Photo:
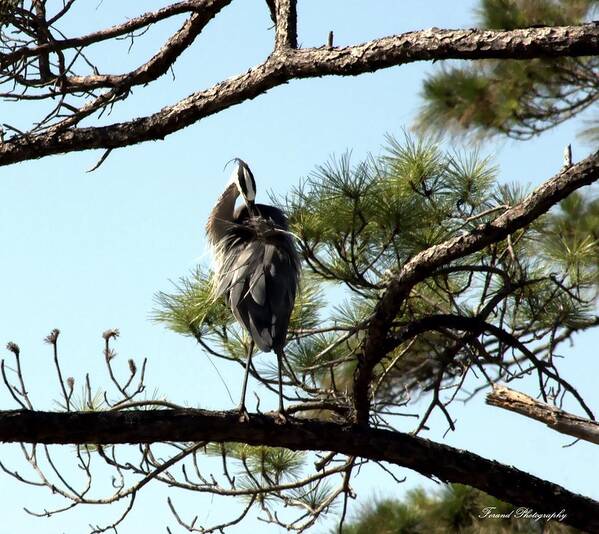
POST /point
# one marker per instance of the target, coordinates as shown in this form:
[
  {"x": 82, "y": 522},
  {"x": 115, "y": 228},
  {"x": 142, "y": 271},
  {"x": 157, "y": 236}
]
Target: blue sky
[{"x": 86, "y": 252}]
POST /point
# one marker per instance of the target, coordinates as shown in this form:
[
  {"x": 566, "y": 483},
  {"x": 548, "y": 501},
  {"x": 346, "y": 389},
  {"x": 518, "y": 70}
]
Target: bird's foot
[
  {"x": 244, "y": 416},
  {"x": 281, "y": 418}
]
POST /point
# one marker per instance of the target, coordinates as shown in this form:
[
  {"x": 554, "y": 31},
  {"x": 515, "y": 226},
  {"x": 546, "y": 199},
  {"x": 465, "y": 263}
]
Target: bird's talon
[
  {"x": 244, "y": 416},
  {"x": 281, "y": 418}
]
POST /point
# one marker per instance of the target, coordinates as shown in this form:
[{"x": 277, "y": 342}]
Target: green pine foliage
[
  {"x": 355, "y": 222},
  {"x": 84, "y": 401},
  {"x": 271, "y": 465},
  {"x": 454, "y": 509},
  {"x": 258, "y": 468},
  {"x": 191, "y": 309},
  {"x": 510, "y": 14},
  {"x": 572, "y": 237},
  {"x": 314, "y": 495},
  {"x": 515, "y": 98},
  {"x": 308, "y": 303}
]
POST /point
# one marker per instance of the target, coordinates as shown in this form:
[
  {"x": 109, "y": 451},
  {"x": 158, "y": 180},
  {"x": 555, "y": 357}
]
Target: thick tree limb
[
  {"x": 553, "y": 417},
  {"x": 286, "y": 64},
  {"x": 425, "y": 264},
  {"x": 424, "y": 456}
]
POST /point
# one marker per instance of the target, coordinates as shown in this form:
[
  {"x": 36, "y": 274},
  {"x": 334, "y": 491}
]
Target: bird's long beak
[{"x": 246, "y": 184}]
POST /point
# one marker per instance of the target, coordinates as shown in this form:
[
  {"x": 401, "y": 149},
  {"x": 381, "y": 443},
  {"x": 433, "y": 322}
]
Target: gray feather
[
  {"x": 259, "y": 273},
  {"x": 258, "y": 286}
]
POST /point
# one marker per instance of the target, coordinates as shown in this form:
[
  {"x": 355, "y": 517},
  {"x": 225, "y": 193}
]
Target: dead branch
[{"x": 553, "y": 417}]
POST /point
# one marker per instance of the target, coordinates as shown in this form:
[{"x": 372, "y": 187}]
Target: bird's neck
[{"x": 222, "y": 213}]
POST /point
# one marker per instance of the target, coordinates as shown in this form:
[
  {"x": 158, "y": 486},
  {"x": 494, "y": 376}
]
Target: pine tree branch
[
  {"x": 425, "y": 264},
  {"x": 553, "y": 417},
  {"x": 287, "y": 63},
  {"x": 424, "y": 456}
]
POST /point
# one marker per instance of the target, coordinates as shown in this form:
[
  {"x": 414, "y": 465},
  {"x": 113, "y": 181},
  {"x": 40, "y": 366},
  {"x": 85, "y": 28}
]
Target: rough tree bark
[{"x": 426, "y": 457}]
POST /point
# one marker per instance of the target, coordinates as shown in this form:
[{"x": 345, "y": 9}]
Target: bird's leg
[
  {"x": 292, "y": 375},
  {"x": 243, "y": 413},
  {"x": 281, "y": 415}
]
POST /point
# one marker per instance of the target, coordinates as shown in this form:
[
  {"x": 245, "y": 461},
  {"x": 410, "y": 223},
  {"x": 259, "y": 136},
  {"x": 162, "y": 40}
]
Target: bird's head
[{"x": 243, "y": 178}]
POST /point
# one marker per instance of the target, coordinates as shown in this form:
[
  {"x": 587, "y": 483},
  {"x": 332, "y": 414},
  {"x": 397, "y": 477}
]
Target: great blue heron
[{"x": 256, "y": 268}]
